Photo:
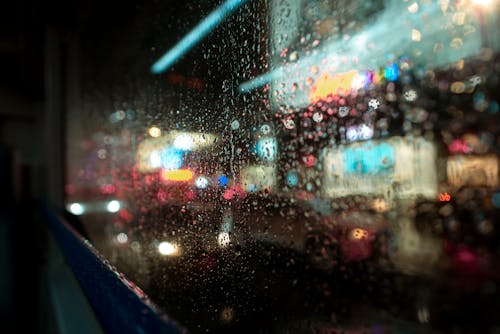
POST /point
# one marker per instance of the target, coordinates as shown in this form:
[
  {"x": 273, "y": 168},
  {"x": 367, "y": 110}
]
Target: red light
[
  {"x": 108, "y": 189},
  {"x": 309, "y": 160},
  {"x": 444, "y": 197},
  {"x": 459, "y": 146}
]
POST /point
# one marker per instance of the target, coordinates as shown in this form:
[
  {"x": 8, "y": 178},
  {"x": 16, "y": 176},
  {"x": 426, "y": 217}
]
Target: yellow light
[
  {"x": 380, "y": 205},
  {"x": 154, "y": 132},
  {"x": 331, "y": 85},
  {"x": 167, "y": 248},
  {"x": 177, "y": 175},
  {"x": 416, "y": 35},
  {"x": 359, "y": 233},
  {"x": 482, "y": 2},
  {"x": 413, "y": 8}
]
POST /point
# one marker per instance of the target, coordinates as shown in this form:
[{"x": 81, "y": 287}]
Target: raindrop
[{"x": 235, "y": 125}]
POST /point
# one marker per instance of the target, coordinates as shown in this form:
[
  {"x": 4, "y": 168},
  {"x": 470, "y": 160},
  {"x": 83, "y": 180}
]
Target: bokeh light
[
  {"x": 168, "y": 248},
  {"x": 77, "y": 209},
  {"x": 154, "y": 132},
  {"x": 223, "y": 239},
  {"x": 113, "y": 206}
]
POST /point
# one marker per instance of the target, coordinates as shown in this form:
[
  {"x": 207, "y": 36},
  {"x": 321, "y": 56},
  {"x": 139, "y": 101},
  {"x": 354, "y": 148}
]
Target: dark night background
[{"x": 48, "y": 51}]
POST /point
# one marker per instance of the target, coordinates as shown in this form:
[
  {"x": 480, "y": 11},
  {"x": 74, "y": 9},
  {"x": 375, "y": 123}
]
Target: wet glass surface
[{"x": 302, "y": 166}]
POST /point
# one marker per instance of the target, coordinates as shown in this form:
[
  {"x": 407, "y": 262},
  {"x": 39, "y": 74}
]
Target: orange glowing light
[
  {"x": 180, "y": 175},
  {"x": 359, "y": 233},
  {"x": 327, "y": 85},
  {"x": 444, "y": 197}
]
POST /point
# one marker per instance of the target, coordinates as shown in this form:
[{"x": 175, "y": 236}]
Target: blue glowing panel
[
  {"x": 195, "y": 35},
  {"x": 223, "y": 180},
  {"x": 369, "y": 159},
  {"x": 172, "y": 158},
  {"x": 267, "y": 148},
  {"x": 292, "y": 178},
  {"x": 391, "y": 72}
]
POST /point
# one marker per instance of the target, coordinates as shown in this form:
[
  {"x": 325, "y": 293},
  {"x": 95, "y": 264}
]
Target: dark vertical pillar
[{"x": 54, "y": 117}]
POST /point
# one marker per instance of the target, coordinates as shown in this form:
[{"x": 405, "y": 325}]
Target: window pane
[{"x": 293, "y": 165}]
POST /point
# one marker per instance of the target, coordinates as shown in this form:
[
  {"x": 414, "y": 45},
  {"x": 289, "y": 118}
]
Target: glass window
[{"x": 294, "y": 165}]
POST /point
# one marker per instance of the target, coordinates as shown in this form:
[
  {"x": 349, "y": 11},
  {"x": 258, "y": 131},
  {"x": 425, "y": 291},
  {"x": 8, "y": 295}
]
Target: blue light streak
[
  {"x": 387, "y": 35},
  {"x": 195, "y": 35}
]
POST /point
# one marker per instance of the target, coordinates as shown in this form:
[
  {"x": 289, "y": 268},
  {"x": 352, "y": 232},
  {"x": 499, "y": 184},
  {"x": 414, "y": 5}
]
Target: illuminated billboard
[
  {"x": 380, "y": 33},
  {"x": 167, "y": 152},
  {"x": 473, "y": 171},
  {"x": 401, "y": 167},
  {"x": 258, "y": 178}
]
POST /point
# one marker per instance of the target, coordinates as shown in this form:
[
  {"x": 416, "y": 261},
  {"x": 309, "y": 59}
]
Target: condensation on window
[{"x": 294, "y": 165}]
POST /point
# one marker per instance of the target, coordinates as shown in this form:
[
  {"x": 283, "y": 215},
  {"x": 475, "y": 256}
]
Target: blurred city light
[
  {"x": 201, "y": 182},
  {"x": 413, "y": 8},
  {"x": 154, "y": 132},
  {"x": 184, "y": 142},
  {"x": 375, "y": 167},
  {"x": 155, "y": 159},
  {"x": 267, "y": 148},
  {"x": 391, "y": 72},
  {"x": 227, "y": 314},
  {"x": 171, "y": 158},
  {"x": 369, "y": 158},
  {"x": 472, "y": 170},
  {"x": 359, "y": 233},
  {"x": 482, "y": 2},
  {"x": 361, "y": 132},
  {"x": 122, "y": 238},
  {"x": 168, "y": 249},
  {"x": 292, "y": 179},
  {"x": 117, "y": 116},
  {"x": 328, "y": 84},
  {"x": 170, "y": 148},
  {"x": 343, "y": 56},
  {"x": 223, "y": 180},
  {"x": 258, "y": 178},
  {"x": 223, "y": 239},
  {"x": 444, "y": 197},
  {"x": 380, "y": 205},
  {"x": 113, "y": 206},
  {"x": 178, "y": 175},
  {"x": 195, "y": 35},
  {"x": 76, "y": 209}
]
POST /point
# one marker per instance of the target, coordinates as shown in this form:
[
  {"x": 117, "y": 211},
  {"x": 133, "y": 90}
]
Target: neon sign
[
  {"x": 178, "y": 175},
  {"x": 444, "y": 197}
]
